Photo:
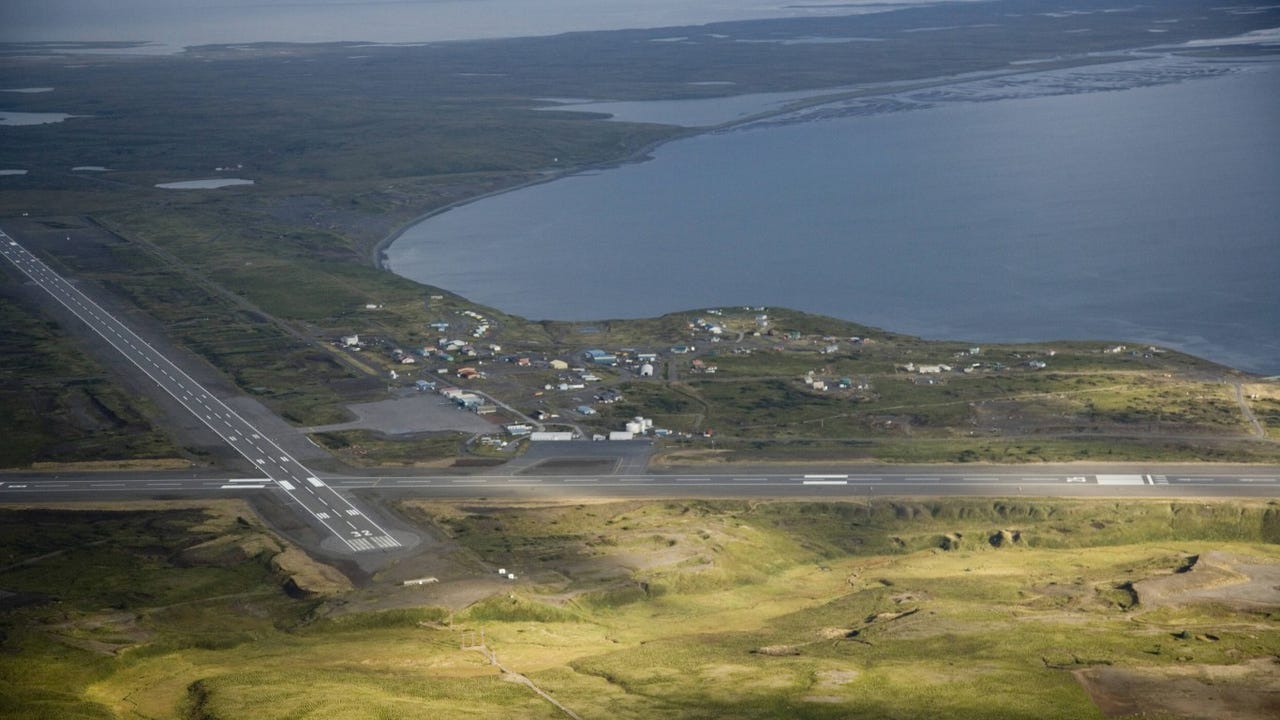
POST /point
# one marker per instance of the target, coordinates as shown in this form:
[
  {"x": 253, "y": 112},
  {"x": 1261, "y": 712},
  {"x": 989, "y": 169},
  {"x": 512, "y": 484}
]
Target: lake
[{"x": 1143, "y": 208}]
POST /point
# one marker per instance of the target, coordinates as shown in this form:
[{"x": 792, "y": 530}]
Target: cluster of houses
[
  {"x": 482, "y": 324},
  {"x": 926, "y": 369},
  {"x": 818, "y": 384},
  {"x": 451, "y": 349},
  {"x": 445, "y": 350},
  {"x": 1034, "y": 364},
  {"x": 714, "y": 329},
  {"x": 1150, "y": 352}
]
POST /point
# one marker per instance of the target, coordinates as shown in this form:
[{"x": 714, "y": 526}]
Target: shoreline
[
  {"x": 377, "y": 254},
  {"x": 821, "y": 96},
  {"x": 818, "y": 98}
]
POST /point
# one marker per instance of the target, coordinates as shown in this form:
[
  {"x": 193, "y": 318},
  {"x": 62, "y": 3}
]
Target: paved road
[{"x": 321, "y": 503}]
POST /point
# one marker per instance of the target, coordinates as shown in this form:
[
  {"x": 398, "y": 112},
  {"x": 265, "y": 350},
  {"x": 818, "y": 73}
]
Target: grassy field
[
  {"x": 687, "y": 609},
  {"x": 59, "y": 404},
  {"x": 361, "y": 447}
]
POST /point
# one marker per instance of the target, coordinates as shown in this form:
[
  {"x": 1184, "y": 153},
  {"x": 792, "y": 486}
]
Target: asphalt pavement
[{"x": 322, "y": 504}]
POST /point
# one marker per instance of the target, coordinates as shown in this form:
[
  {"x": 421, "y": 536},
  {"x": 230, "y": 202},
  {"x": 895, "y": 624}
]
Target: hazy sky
[{"x": 178, "y": 23}]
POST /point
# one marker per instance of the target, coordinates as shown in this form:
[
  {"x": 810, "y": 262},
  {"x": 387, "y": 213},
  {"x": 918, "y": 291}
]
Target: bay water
[{"x": 1132, "y": 211}]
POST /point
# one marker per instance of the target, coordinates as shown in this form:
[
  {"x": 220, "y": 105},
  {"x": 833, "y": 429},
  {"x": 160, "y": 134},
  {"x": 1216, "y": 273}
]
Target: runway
[
  {"x": 319, "y": 502},
  {"x": 907, "y": 482}
]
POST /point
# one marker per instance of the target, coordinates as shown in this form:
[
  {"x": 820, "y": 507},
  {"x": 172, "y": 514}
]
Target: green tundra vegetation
[{"x": 686, "y": 609}]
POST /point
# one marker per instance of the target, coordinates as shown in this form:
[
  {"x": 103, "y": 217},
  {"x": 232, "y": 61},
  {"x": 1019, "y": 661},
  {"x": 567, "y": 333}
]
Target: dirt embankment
[
  {"x": 1244, "y": 691},
  {"x": 1235, "y": 581},
  {"x": 1248, "y": 691}
]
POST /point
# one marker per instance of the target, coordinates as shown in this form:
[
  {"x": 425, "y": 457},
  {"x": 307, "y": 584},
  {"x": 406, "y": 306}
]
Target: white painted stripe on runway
[
  {"x": 242, "y": 487},
  {"x": 1120, "y": 480},
  {"x": 315, "y": 482},
  {"x": 106, "y": 484},
  {"x": 826, "y": 477},
  {"x": 527, "y": 480},
  {"x": 580, "y": 480},
  {"x": 922, "y": 479},
  {"x": 697, "y": 480},
  {"x": 826, "y": 482},
  {"x": 286, "y": 485},
  {"x": 636, "y": 481},
  {"x": 1260, "y": 480},
  {"x": 469, "y": 481}
]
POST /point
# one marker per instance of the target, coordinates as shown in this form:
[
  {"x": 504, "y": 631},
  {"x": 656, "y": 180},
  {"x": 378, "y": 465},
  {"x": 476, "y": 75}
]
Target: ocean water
[
  {"x": 170, "y": 25},
  {"x": 1142, "y": 206}
]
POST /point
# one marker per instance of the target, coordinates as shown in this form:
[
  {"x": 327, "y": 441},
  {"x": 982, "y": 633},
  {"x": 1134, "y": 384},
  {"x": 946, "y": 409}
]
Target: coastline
[
  {"x": 377, "y": 253},
  {"x": 827, "y": 96},
  {"x": 821, "y": 96}
]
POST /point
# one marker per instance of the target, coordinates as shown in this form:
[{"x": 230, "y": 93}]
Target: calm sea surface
[{"x": 1146, "y": 214}]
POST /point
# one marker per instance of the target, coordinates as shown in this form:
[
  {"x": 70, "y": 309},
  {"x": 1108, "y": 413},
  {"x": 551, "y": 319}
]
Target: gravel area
[{"x": 411, "y": 412}]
